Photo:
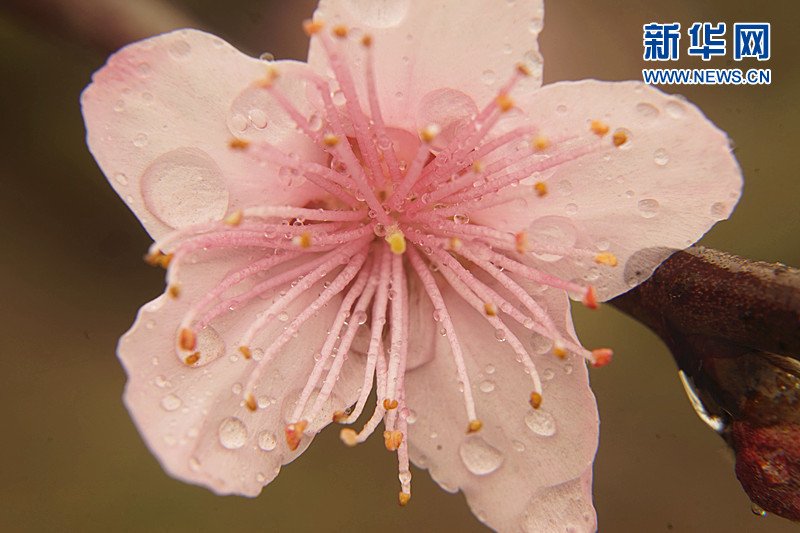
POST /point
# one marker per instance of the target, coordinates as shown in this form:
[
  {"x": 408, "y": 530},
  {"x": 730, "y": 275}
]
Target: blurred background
[{"x": 73, "y": 278}]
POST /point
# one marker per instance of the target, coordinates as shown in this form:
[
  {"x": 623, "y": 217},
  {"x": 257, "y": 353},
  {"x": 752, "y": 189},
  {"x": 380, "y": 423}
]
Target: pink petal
[
  {"x": 662, "y": 189},
  {"x": 519, "y": 463},
  {"x": 194, "y": 419},
  {"x": 160, "y": 116},
  {"x": 427, "y": 47}
]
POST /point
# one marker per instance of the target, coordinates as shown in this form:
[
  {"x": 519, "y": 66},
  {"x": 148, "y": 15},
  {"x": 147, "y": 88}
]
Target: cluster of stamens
[{"x": 384, "y": 220}]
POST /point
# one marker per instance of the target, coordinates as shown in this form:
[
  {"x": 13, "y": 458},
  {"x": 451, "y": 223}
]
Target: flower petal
[
  {"x": 428, "y": 47},
  {"x": 160, "y": 117},
  {"x": 194, "y": 418},
  {"x": 523, "y": 461},
  {"x": 670, "y": 179}
]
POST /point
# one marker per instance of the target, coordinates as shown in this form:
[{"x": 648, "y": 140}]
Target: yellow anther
[
  {"x": 303, "y": 240},
  {"x": 477, "y": 166},
  {"x": 250, "y": 402},
  {"x": 396, "y": 240},
  {"x": 455, "y": 243},
  {"x": 536, "y": 400},
  {"x": 599, "y": 127},
  {"x": 269, "y": 78},
  {"x": 238, "y": 144},
  {"x": 590, "y": 298},
  {"x": 392, "y": 439},
  {"x": 330, "y": 140},
  {"x": 340, "y": 31},
  {"x": 403, "y": 498},
  {"x": 245, "y": 351},
  {"x": 174, "y": 291},
  {"x": 541, "y": 188},
  {"x": 524, "y": 70},
  {"x": 158, "y": 258},
  {"x": 504, "y": 102},
  {"x": 367, "y": 40},
  {"x": 474, "y": 426},
  {"x": 187, "y": 339},
  {"x": 339, "y": 417},
  {"x": 311, "y": 27},
  {"x": 389, "y": 404},
  {"x": 192, "y": 359},
  {"x": 348, "y": 436},
  {"x": 235, "y": 218},
  {"x": 429, "y": 133},
  {"x": 619, "y": 138},
  {"x": 602, "y": 356},
  {"x": 521, "y": 241},
  {"x": 490, "y": 309},
  {"x": 559, "y": 352},
  {"x": 540, "y": 142},
  {"x": 606, "y": 258},
  {"x": 294, "y": 433}
]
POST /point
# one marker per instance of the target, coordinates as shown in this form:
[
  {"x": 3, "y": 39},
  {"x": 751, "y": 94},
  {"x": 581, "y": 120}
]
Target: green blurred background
[{"x": 70, "y": 458}]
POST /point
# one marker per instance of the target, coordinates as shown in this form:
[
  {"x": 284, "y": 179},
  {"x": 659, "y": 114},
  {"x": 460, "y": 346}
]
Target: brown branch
[{"x": 733, "y": 327}]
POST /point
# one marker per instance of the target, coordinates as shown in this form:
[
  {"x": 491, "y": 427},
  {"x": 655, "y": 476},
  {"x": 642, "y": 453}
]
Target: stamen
[
  {"x": 294, "y": 433},
  {"x": 536, "y": 400},
  {"x": 541, "y": 188},
  {"x": 474, "y": 426},
  {"x": 598, "y": 127},
  {"x": 619, "y": 138},
  {"x": 601, "y": 357},
  {"x": 187, "y": 339},
  {"x": 396, "y": 240},
  {"x": 392, "y": 439},
  {"x": 606, "y": 258}
]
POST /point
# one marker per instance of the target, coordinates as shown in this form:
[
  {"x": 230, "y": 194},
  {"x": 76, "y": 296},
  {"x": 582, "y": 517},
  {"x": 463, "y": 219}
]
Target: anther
[
  {"x": 250, "y": 402},
  {"x": 340, "y": 31},
  {"x": 601, "y": 357},
  {"x": 474, "y": 426},
  {"x": 158, "y": 258},
  {"x": 348, "y": 436},
  {"x": 389, "y": 404},
  {"x": 311, "y": 27},
  {"x": 590, "y": 298},
  {"x": 403, "y": 498},
  {"x": 303, "y": 240},
  {"x": 187, "y": 339},
  {"x": 330, "y": 140},
  {"x": 174, "y": 291},
  {"x": 429, "y": 133},
  {"x": 540, "y": 142},
  {"x": 392, "y": 439},
  {"x": 397, "y": 241},
  {"x": 339, "y": 417},
  {"x": 455, "y": 243},
  {"x": 294, "y": 433},
  {"x": 541, "y": 188},
  {"x": 536, "y": 400},
  {"x": 238, "y": 144},
  {"x": 521, "y": 240},
  {"x": 192, "y": 359},
  {"x": 606, "y": 258},
  {"x": 367, "y": 40},
  {"x": 490, "y": 309},
  {"x": 504, "y": 102},
  {"x": 235, "y": 218},
  {"x": 477, "y": 166},
  {"x": 619, "y": 138},
  {"x": 599, "y": 127},
  {"x": 559, "y": 351},
  {"x": 245, "y": 351},
  {"x": 524, "y": 70}
]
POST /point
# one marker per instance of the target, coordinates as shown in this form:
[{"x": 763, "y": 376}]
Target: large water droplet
[
  {"x": 378, "y": 14},
  {"x": 552, "y": 231},
  {"x": 541, "y": 423},
  {"x": 648, "y": 207},
  {"x": 541, "y": 344},
  {"x": 675, "y": 109},
  {"x": 450, "y": 109},
  {"x": 170, "y": 402},
  {"x": 267, "y": 441},
  {"x": 209, "y": 346},
  {"x": 232, "y": 433},
  {"x": 479, "y": 456},
  {"x": 184, "y": 187},
  {"x": 487, "y": 386}
]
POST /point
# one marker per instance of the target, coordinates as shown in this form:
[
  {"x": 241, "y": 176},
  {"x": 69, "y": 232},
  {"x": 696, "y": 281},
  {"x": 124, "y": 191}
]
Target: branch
[{"x": 733, "y": 327}]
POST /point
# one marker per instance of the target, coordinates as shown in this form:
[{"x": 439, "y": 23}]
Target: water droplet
[
  {"x": 647, "y": 111},
  {"x": 487, "y": 386},
  {"x": 121, "y": 178},
  {"x": 450, "y": 109},
  {"x": 568, "y": 369},
  {"x": 552, "y": 230},
  {"x": 518, "y": 446},
  {"x": 180, "y": 49},
  {"x": 239, "y": 122},
  {"x": 170, "y": 402},
  {"x": 170, "y": 439},
  {"x": 258, "y": 118},
  {"x": 675, "y": 109},
  {"x": 480, "y": 457},
  {"x": 488, "y": 77},
  {"x": 629, "y": 194},
  {"x": 260, "y": 477},
  {"x": 232, "y": 433},
  {"x": 561, "y": 109},
  {"x": 412, "y": 416},
  {"x": 603, "y": 245},
  {"x": 161, "y": 382},
  {"x": 167, "y": 178},
  {"x": 500, "y": 335},
  {"x": 719, "y": 210},
  {"x": 266, "y": 441},
  {"x": 564, "y": 187},
  {"x": 194, "y": 464},
  {"x": 661, "y": 157},
  {"x": 339, "y": 98},
  {"x": 648, "y": 207},
  {"x": 571, "y": 209},
  {"x": 379, "y": 14},
  {"x": 283, "y": 316},
  {"x": 119, "y": 105},
  {"x": 541, "y": 344},
  {"x": 490, "y": 369},
  {"x": 147, "y": 97},
  {"x": 460, "y": 219},
  {"x": 140, "y": 140},
  {"x": 236, "y": 389},
  {"x": 757, "y": 510},
  {"x": 267, "y": 56},
  {"x": 548, "y": 374},
  {"x": 360, "y": 317},
  {"x": 541, "y": 422}
]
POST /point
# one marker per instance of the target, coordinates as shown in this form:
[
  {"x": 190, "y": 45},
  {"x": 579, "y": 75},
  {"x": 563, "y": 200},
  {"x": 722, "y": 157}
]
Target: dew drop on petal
[
  {"x": 719, "y": 210},
  {"x": 675, "y": 109},
  {"x": 120, "y": 178},
  {"x": 267, "y": 441},
  {"x": 489, "y": 77},
  {"x": 232, "y": 433},
  {"x": 378, "y": 14},
  {"x": 487, "y": 386},
  {"x": 540, "y": 422},
  {"x": 170, "y": 402},
  {"x": 140, "y": 140},
  {"x": 552, "y": 230},
  {"x": 194, "y": 464},
  {"x": 518, "y": 446},
  {"x": 180, "y": 49},
  {"x": 450, "y": 109},
  {"x": 541, "y": 344},
  {"x": 480, "y": 457},
  {"x": 648, "y": 207},
  {"x": 647, "y": 111},
  {"x": 660, "y": 157}
]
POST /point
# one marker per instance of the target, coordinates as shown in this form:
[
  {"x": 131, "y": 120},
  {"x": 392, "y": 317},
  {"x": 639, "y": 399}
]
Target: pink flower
[{"x": 408, "y": 209}]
